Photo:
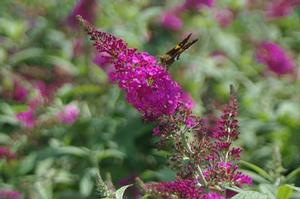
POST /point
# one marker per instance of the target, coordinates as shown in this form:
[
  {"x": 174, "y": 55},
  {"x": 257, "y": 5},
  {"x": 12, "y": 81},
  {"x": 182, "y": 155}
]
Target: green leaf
[
  {"x": 26, "y": 54},
  {"x": 269, "y": 190},
  {"x": 284, "y": 192},
  {"x": 255, "y": 177},
  {"x": 294, "y": 188},
  {"x": 28, "y": 163},
  {"x": 257, "y": 169},
  {"x": 120, "y": 192},
  {"x": 110, "y": 153},
  {"x": 44, "y": 190},
  {"x": 4, "y": 139},
  {"x": 72, "y": 150},
  {"x": 293, "y": 174},
  {"x": 86, "y": 184},
  {"x": 250, "y": 195}
]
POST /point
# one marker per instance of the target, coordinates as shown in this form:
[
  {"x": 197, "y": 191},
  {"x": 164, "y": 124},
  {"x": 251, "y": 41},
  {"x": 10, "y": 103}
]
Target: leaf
[
  {"x": 4, "y": 139},
  {"x": 71, "y": 150},
  {"x": 120, "y": 192},
  {"x": 284, "y": 192},
  {"x": 44, "y": 190},
  {"x": 250, "y": 195},
  {"x": 293, "y": 174},
  {"x": 26, "y": 54},
  {"x": 269, "y": 190},
  {"x": 86, "y": 184},
  {"x": 110, "y": 153},
  {"x": 255, "y": 177},
  {"x": 257, "y": 169},
  {"x": 28, "y": 163},
  {"x": 294, "y": 188}
]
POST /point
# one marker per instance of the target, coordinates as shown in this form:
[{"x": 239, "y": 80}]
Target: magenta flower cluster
[
  {"x": 147, "y": 85},
  {"x": 9, "y": 194},
  {"x": 272, "y": 55},
  {"x": 171, "y": 19},
  {"x": 281, "y": 8},
  {"x": 6, "y": 153},
  {"x": 208, "y": 159},
  {"x": 69, "y": 114},
  {"x": 85, "y": 8},
  {"x": 201, "y": 163},
  {"x": 27, "y": 118},
  {"x": 180, "y": 188}
]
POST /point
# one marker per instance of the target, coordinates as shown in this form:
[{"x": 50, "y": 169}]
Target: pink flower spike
[
  {"x": 279, "y": 8},
  {"x": 9, "y": 194},
  {"x": 20, "y": 92},
  {"x": 187, "y": 100},
  {"x": 272, "y": 55},
  {"x": 198, "y": 4},
  {"x": 6, "y": 153},
  {"x": 171, "y": 21},
  {"x": 84, "y": 8},
  {"x": 69, "y": 114},
  {"x": 26, "y": 118},
  {"x": 224, "y": 17},
  {"x": 213, "y": 195}
]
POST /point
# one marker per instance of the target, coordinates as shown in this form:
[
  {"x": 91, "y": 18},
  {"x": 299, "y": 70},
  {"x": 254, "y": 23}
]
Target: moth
[{"x": 172, "y": 55}]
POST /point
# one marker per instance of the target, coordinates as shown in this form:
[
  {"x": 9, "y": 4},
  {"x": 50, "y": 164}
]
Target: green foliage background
[{"x": 61, "y": 161}]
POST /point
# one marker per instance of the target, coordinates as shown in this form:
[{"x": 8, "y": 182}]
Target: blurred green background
[{"x": 56, "y": 160}]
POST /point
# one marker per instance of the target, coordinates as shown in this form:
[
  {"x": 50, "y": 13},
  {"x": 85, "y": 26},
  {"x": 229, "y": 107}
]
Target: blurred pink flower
[
  {"x": 272, "y": 55},
  {"x": 84, "y": 8},
  {"x": 6, "y": 153},
  {"x": 9, "y": 194},
  {"x": 212, "y": 195},
  {"x": 172, "y": 21},
  {"x": 20, "y": 92},
  {"x": 69, "y": 114},
  {"x": 198, "y": 4},
  {"x": 187, "y": 100},
  {"x": 224, "y": 17},
  {"x": 26, "y": 118},
  {"x": 279, "y": 8}
]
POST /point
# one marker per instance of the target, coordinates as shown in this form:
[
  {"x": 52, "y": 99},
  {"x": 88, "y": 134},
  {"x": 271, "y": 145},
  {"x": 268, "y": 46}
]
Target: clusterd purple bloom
[
  {"x": 279, "y": 8},
  {"x": 69, "y": 114},
  {"x": 147, "y": 85},
  {"x": 198, "y": 4},
  {"x": 85, "y": 8},
  {"x": 20, "y": 92},
  {"x": 26, "y": 118},
  {"x": 9, "y": 194},
  {"x": 6, "y": 153},
  {"x": 272, "y": 55},
  {"x": 201, "y": 152},
  {"x": 185, "y": 189},
  {"x": 172, "y": 21}
]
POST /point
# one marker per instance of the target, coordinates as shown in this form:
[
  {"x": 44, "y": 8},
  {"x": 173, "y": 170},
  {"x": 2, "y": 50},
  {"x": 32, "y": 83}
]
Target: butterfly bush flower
[
  {"x": 171, "y": 20},
  {"x": 201, "y": 153},
  {"x": 85, "y": 8},
  {"x": 198, "y": 4},
  {"x": 69, "y": 114},
  {"x": 279, "y": 8},
  {"x": 104, "y": 60},
  {"x": 272, "y": 55},
  {"x": 147, "y": 85},
  {"x": 224, "y": 17},
  {"x": 6, "y": 153},
  {"x": 9, "y": 194},
  {"x": 26, "y": 118},
  {"x": 20, "y": 92}
]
